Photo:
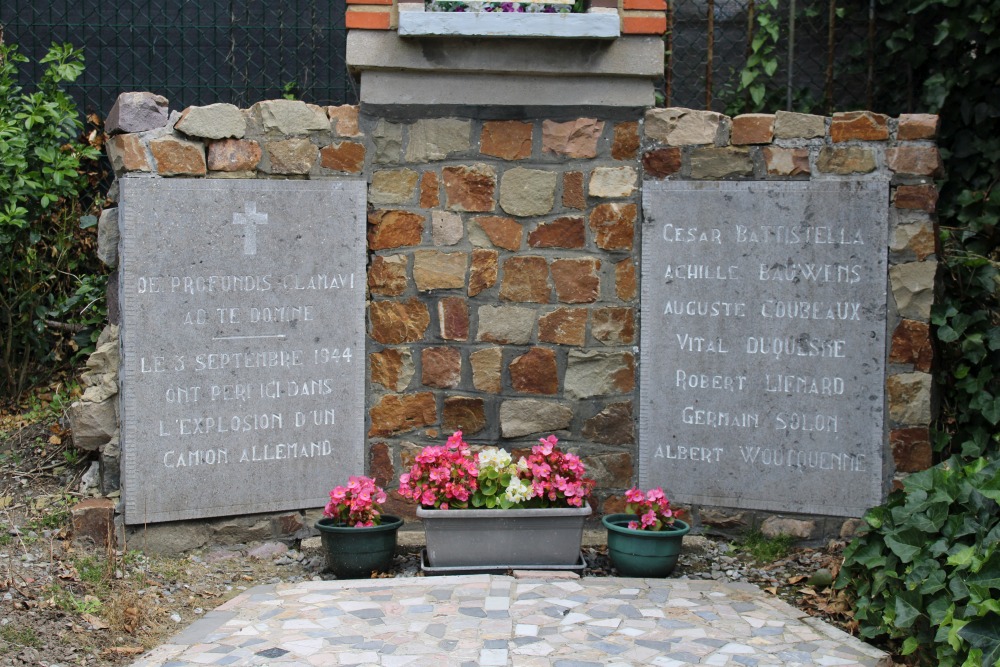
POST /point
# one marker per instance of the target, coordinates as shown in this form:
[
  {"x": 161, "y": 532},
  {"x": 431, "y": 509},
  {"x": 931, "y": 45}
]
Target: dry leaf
[
  {"x": 124, "y": 650},
  {"x": 95, "y": 622},
  {"x": 6, "y": 501},
  {"x": 808, "y": 591},
  {"x": 55, "y": 440},
  {"x": 773, "y": 590},
  {"x": 796, "y": 579}
]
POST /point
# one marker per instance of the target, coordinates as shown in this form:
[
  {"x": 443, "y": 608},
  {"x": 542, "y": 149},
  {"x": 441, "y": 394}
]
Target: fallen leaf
[
  {"x": 808, "y": 591},
  {"x": 95, "y": 622},
  {"x": 6, "y": 501},
  {"x": 773, "y": 590},
  {"x": 124, "y": 650},
  {"x": 55, "y": 440},
  {"x": 796, "y": 579}
]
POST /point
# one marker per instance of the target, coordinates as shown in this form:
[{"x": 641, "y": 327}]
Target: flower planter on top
[
  {"x": 643, "y": 553},
  {"x": 515, "y": 537},
  {"x": 353, "y": 552}
]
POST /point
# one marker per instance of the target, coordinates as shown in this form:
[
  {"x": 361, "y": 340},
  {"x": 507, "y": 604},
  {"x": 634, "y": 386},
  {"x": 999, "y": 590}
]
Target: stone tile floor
[{"x": 529, "y": 620}]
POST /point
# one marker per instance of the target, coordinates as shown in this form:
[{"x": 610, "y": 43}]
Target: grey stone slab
[
  {"x": 488, "y": 24},
  {"x": 239, "y": 300},
  {"x": 763, "y": 344}
]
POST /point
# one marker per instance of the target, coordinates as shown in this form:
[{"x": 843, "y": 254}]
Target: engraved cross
[{"x": 251, "y": 218}]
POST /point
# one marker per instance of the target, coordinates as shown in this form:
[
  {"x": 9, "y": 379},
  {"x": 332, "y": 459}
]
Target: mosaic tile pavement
[{"x": 521, "y": 620}]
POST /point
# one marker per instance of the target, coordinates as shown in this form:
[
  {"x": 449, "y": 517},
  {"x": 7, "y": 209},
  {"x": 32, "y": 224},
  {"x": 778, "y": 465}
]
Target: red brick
[
  {"x": 357, "y": 20},
  {"x": 178, "y": 157},
  {"x": 613, "y": 225},
  {"x": 525, "y": 279},
  {"x": 399, "y": 413},
  {"x": 662, "y": 162},
  {"x": 916, "y": 197},
  {"x": 346, "y": 156},
  {"x": 577, "y": 280},
  {"x": 453, "y": 315},
  {"x": 625, "y": 144},
  {"x": 441, "y": 367},
  {"x": 393, "y": 229},
  {"x": 653, "y": 5},
  {"x": 506, "y": 139},
  {"x": 753, "y": 128},
  {"x": 565, "y": 326},
  {"x": 859, "y": 125},
  {"x": 567, "y": 232},
  {"x": 503, "y": 232},
  {"x": 573, "y": 195},
  {"x": 535, "y": 372},
  {"x": 395, "y": 322},
  {"x": 644, "y": 25},
  {"x": 380, "y": 466},
  {"x": 911, "y": 449},
  {"x": 911, "y": 344}
]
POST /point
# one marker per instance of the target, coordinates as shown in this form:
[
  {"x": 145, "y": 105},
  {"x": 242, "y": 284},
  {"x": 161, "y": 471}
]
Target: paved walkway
[{"x": 523, "y": 620}]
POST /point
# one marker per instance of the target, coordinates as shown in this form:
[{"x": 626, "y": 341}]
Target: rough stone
[
  {"x": 346, "y": 156},
  {"x": 564, "y": 326},
  {"x": 344, "y": 120},
  {"x": 535, "y": 372},
  {"x": 914, "y": 161},
  {"x": 437, "y": 138},
  {"x": 392, "y": 186},
  {"x": 612, "y": 182},
  {"x": 850, "y": 528},
  {"x": 723, "y": 519},
  {"x": 911, "y": 449},
  {"x": 915, "y": 126},
  {"x": 441, "y": 367},
  {"x": 137, "y": 112},
  {"x": 392, "y": 368},
  {"x": 178, "y": 157},
  {"x": 93, "y": 424},
  {"x": 392, "y": 229},
  {"x": 433, "y": 269},
  {"x": 453, "y": 316},
  {"x": 573, "y": 196},
  {"x": 521, "y": 417},
  {"x": 860, "y": 126},
  {"x": 215, "y": 121},
  {"x": 614, "y": 425},
  {"x": 380, "y": 464},
  {"x": 446, "y": 227},
  {"x": 93, "y": 522},
  {"x": 525, "y": 279},
  {"x": 775, "y": 526},
  {"x": 625, "y": 282},
  {"x": 613, "y": 326},
  {"x": 291, "y": 117},
  {"x": 911, "y": 344},
  {"x": 849, "y": 160},
  {"x": 917, "y": 237},
  {"x": 753, "y": 128},
  {"x": 387, "y": 275},
  {"x": 613, "y": 225},
  {"x": 526, "y": 192},
  {"x": 566, "y": 232},
  {"x": 662, "y": 162},
  {"x": 913, "y": 288},
  {"x": 470, "y": 188},
  {"x": 484, "y": 270},
  {"x": 463, "y": 413},
  {"x": 677, "y": 126},
  {"x": 625, "y": 143},
  {"x": 510, "y": 325},
  {"x": 592, "y": 373},
  {"x": 916, "y": 197},
  {"x": 232, "y": 155},
  {"x": 909, "y": 397},
  {"x": 388, "y": 140},
  {"x": 399, "y": 413},
  {"x": 430, "y": 195},
  {"x": 395, "y": 322},
  {"x": 789, "y": 125},
  {"x": 506, "y": 139},
  {"x": 126, "y": 153},
  {"x": 108, "y": 237},
  {"x": 291, "y": 156},
  {"x": 786, "y": 161},
  {"x": 614, "y": 504},
  {"x": 486, "y": 369},
  {"x": 576, "y": 280},
  {"x": 708, "y": 163},
  {"x": 612, "y": 470},
  {"x": 502, "y": 232},
  {"x": 575, "y": 138}
]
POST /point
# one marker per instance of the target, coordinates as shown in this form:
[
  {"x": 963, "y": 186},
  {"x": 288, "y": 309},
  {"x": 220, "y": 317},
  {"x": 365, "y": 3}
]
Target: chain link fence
[{"x": 194, "y": 52}]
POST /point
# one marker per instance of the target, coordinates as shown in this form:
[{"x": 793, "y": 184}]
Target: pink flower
[{"x": 634, "y": 495}]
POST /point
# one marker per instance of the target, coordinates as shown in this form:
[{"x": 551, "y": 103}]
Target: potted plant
[
  {"x": 357, "y": 537},
  {"x": 485, "y": 511},
  {"x": 645, "y": 541}
]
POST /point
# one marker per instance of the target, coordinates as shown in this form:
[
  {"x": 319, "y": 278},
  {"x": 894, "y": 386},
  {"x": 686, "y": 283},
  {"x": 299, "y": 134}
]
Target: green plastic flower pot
[
  {"x": 353, "y": 553},
  {"x": 643, "y": 553}
]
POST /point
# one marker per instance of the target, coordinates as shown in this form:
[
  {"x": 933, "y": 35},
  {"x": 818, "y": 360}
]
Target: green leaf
[
  {"x": 984, "y": 633},
  {"x": 906, "y": 544},
  {"x": 87, "y": 221},
  {"x": 910, "y": 645},
  {"x": 907, "y": 609}
]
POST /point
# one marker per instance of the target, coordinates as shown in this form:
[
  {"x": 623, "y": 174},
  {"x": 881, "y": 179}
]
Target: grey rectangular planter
[{"x": 519, "y": 538}]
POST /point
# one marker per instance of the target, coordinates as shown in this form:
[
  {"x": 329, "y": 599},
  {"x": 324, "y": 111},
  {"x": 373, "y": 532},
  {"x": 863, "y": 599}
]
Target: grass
[
  {"x": 19, "y": 636},
  {"x": 765, "y": 549}
]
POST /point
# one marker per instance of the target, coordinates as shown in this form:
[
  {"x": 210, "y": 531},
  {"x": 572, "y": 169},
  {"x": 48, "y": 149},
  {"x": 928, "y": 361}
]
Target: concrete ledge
[{"x": 489, "y": 24}]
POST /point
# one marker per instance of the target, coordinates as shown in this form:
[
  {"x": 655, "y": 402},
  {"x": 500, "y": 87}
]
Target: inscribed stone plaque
[
  {"x": 243, "y": 337},
  {"x": 763, "y": 344}
]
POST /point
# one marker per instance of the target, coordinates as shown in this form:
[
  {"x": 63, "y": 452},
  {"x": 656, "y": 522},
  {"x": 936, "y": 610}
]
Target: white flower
[
  {"x": 494, "y": 458},
  {"x": 518, "y": 491}
]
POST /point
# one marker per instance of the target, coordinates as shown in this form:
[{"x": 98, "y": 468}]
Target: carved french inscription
[
  {"x": 242, "y": 343},
  {"x": 763, "y": 344}
]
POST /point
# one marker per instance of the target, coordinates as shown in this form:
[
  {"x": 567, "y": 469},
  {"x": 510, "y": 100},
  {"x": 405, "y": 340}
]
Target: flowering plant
[
  {"x": 652, "y": 508},
  {"x": 498, "y": 7},
  {"x": 442, "y": 476},
  {"x": 358, "y": 504}
]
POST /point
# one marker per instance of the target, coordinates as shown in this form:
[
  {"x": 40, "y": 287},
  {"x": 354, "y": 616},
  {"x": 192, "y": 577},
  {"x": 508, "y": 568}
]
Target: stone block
[
  {"x": 776, "y": 526},
  {"x": 392, "y": 186},
  {"x": 93, "y": 424},
  {"x": 613, "y": 225},
  {"x": 843, "y": 161},
  {"x": 914, "y": 161},
  {"x": 453, "y": 318},
  {"x": 915, "y": 126},
  {"x": 916, "y": 197},
  {"x": 713, "y": 163},
  {"x": 525, "y": 192},
  {"x": 913, "y": 288},
  {"x": 535, "y": 372},
  {"x": 573, "y": 195},
  {"x": 563, "y": 326},
  {"x": 446, "y": 227},
  {"x": 565, "y": 232},
  {"x": 576, "y": 138},
  {"x": 290, "y": 117},
  {"x": 506, "y": 139},
  {"x": 911, "y": 449},
  {"x": 722, "y": 519},
  {"x": 911, "y": 344},
  {"x": 678, "y": 126},
  {"x": 387, "y": 275},
  {"x": 612, "y": 182},
  {"x": 171, "y": 539},
  {"x": 233, "y": 155},
  {"x": 437, "y": 139},
  {"x": 400, "y": 413},
  {"x": 786, "y": 161},
  {"x": 521, "y": 417},
  {"x": 918, "y": 238},
  {"x": 395, "y": 322},
  {"x": 626, "y": 287},
  {"x": 859, "y": 126},
  {"x": 433, "y": 269},
  {"x": 430, "y": 190},
  {"x": 502, "y": 232},
  {"x": 484, "y": 270},
  {"x": 789, "y": 125},
  {"x": 486, "y": 369},
  {"x": 215, "y": 121},
  {"x": 93, "y": 522},
  {"x": 625, "y": 142},
  {"x": 107, "y": 237},
  {"x": 662, "y": 162},
  {"x": 126, "y": 153},
  {"x": 909, "y": 396},
  {"x": 525, "y": 279},
  {"x": 291, "y": 156},
  {"x": 136, "y": 112},
  {"x": 612, "y": 470},
  {"x": 465, "y": 414},
  {"x": 613, "y": 326},
  {"x": 576, "y": 280},
  {"x": 388, "y": 140},
  {"x": 392, "y": 368},
  {"x": 178, "y": 157},
  {"x": 441, "y": 367},
  {"x": 753, "y": 128},
  {"x": 511, "y": 325},
  {"x": 850, "y": 528},
  {"x": 470, "y": 188},
  {"x": 344, "y": 120},
  {"x": 394, "y": 229},
  {"x": 614, "y": 425},
  {"x": 345, "y": 156},
  {"x": 591, "y": 373}
]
